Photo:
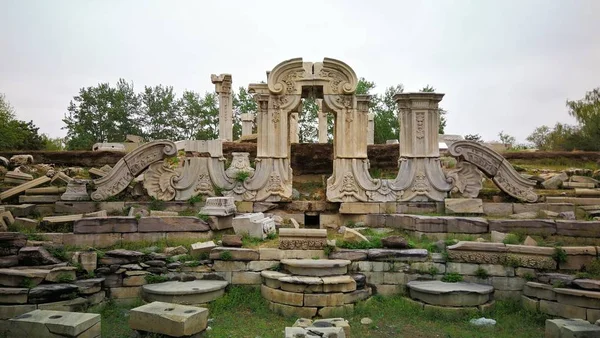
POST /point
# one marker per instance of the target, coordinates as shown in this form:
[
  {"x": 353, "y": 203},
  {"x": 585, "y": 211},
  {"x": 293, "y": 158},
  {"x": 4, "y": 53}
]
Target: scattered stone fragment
[
  {"x": 178, "y": 250},
  {"x": 524, "y": 215},
  {"x": 366, "y": 321},
  {"x": 568, "y": 215},
  {"x": 530, "y": 241},
  {"x": 394, "y": 242},
  {"x": 232, "y": 241},
  {"x": 36, "y": 255},
  {"x": 353, "y": 236},
  {"x": 202, "y": 247},
  {"x": 498, "y": 237}
]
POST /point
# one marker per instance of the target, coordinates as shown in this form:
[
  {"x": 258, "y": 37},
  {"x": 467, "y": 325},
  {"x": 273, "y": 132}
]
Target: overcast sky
[{"x": 503, "y": 65}]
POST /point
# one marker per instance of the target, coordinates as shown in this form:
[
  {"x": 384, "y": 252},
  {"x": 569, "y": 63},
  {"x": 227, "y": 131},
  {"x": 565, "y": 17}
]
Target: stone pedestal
[
  {"x": 219, "y": 206},
  {"x": 371, "y": 129},
  {"x": 223, "y": 89},
  {"x": 322, "y": 122},
  {"x": 420, "y": 177},
  {"x": 247, "y": 121},
  {"x": 76, "y": 191}
]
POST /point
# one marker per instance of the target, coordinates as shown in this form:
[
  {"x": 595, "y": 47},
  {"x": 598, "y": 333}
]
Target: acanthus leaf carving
[{"x": 466, "y": 179}]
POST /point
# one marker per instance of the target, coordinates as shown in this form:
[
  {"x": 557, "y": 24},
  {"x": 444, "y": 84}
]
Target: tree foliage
[
  {"x": 16, "y": 134},
  {"x": 583, "y": 136}
]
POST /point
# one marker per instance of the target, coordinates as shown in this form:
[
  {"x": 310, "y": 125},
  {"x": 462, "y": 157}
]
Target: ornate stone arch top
[{"x": 288, "y": 77}]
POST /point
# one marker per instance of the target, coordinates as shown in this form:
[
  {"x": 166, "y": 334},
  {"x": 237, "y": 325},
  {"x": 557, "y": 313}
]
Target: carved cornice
[{"x": 288, "y": 77}]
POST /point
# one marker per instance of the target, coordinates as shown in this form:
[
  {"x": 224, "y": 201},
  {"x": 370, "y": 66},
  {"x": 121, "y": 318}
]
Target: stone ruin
[{"x": 420, "y": 177}]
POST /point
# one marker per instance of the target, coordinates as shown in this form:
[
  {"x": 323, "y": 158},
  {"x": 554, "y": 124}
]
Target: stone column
[
  {"x": 371, "y": 129},
  {"x": 247, "y": 120},
  {"x": 322, "y": 122},
  {"x": 223, "y": 88},
  {"x": 420, "y": 176}
]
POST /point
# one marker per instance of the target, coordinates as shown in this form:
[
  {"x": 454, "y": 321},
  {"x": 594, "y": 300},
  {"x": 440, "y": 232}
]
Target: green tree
[
  {"x": 540, "y": 138},
  {"x": 243, "y": 103},
  {"x": 385, "y": 109},
  {"x": 308, "y": 121},
  {"x": 201, "y": 116},
  {"x": 161, "y": 113},
  {"x": 506, "y": 139},
  {"x": 587, "y": 113},
  {"x": 102, "y": 114},
  {"x": 16, "y": 134},
  {"x": 442, "y": 126}
]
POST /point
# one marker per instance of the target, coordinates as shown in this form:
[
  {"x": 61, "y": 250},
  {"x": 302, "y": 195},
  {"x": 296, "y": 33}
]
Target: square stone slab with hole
[
  {"x": 45, "y": 323},
  {"x": 174, "y": 320}
]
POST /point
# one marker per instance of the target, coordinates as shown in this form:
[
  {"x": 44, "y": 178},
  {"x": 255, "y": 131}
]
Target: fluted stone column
[
  {"x": 247, "y": 120},
  {"x": 371, "y": 129},
  {"x": 223, "y": 88},
  {"x": 322, "y": 122}
]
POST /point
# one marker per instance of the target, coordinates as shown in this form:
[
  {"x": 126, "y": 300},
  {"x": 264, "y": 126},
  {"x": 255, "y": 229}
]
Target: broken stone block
[
  {"x": 295, "y": 332},
  {"x": 463, "y": 206},
  {"x": 13, "y": 295},
  {"x": 76, "y": 191},
  {"x": 220, "y": 222},
  {"x": 173, "y": 320},
  {"x": 354, "y": 236},
  {"x": 36, "y": 255},
  {"x": 232, "y": 241},
  {"x": 22, "y": 278},
  {"x": 47, "y": 323},
  {"x": 62, "y": 274},
  {"x": 177, "y": 250},
  {"x": 302, "y": 239},
  {"x": 25, "y": 223},
  {"x": 46, "y": 293},
  {"x": 218, "y": 206},
  {"x": 160, "y": 213},
  {"x": 200, "y": 247}
]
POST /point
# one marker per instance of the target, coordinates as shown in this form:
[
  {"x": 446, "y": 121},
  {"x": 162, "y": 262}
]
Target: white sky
[{"x": 504, "y": 65}]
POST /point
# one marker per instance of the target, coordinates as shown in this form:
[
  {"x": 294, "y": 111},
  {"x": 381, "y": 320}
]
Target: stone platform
[
  {"x": 173, "y": 320},
  {"x": 316, "y": 267},
  {"x": 44, "y": 323},
  {"x": 309, "y": 296},
  {"x": 455, "y": 295},
  {"x": 189, "y": 293}
]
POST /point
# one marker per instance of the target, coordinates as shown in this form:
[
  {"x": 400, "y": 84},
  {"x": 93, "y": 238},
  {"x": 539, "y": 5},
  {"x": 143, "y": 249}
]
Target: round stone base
[{"x": 188, "y": 293}]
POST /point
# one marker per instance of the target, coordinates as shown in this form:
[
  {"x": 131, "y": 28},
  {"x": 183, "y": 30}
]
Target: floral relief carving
[
  {"x": 420, "y": 119},
  {"x": 421, "y": 184},
  {"x": 274, "y": 184}
]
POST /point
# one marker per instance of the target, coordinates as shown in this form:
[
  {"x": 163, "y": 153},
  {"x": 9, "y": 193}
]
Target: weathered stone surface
[
  {"x": 352, "y": 255},
  {"x": 9, "y": 261},
  {"x": 193, "y": 292},
  {"x": 268, "y": 254},
  {"x": 408, "y": 255},
  {"x": 561, "y": 328},
  {"x": 232, "y": 241},
  {"x": 555, "y": 181},
  {"x": 394, "y": 242},
  {"x": 530, "y": 304},
  {"x": 466, "y": 225},
  {"x": 172, "y": 223},
  {"x": 463, "y": 206},
  {"x": 202, "y": 247},
  {"x": 508, "y": 283},
  {"x": 556, "y": 278},
  {"x": 323, "y": 299},
  {"x": 46, "y": 293},
  {"x": 47, "y": 323},
  {"x": 219, "y": 206},
  {"x": 12, "y": 311},
  {"x": 578, "y": 228},
  {"x": 318, "y": 268},
  {"x": 236, "y": 254},
  {"x": 121, "y": 257},
  {"x": 78, "y": 304},
  {"x": 176, "y": 250},
  {"x": 562, "y": 310},
  {"x": 16, "y": 278},
  {"x": 36, "y": 255},
  {"x": 89, "y": 286},
  {"x": 21, "y": 188},
  {"x": 125, "y": 293},
  {"x": 302, "y": 239},
  {"x": 282, "y": 297},
  {"x": 582, "y": 298},
  {"x": 62, "y": 274},
  {"x": 169, "y": 319},
  {"x": 588, "y": 284},
  {"x": 97, "y": 225},
  {"x": 13, "y": 295},
  {"x": 353, "y": 236},
  {"x": 450, "y": 294},
  {"x": 528, "y": 226},
  {"x": 498, "y": 209}
]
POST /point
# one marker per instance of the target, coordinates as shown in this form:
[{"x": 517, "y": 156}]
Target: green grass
[{"x": 242, "y": 312}]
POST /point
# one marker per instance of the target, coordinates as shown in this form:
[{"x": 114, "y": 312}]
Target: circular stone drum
[{"x": 189, "y": 293}]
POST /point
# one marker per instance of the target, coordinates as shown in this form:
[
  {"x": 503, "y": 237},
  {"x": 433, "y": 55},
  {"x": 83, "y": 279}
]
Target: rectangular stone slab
[
  {"x": 45, "y": 323},
  {"x": 169, "y": 319},
  {"x": 21, "y": 188}
]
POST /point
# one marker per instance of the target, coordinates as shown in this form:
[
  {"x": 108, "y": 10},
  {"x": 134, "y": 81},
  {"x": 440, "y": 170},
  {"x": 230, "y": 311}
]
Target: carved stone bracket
[
  {"x": 130, "y": 166},
  {"x": 496, "y": 167},
  {"x": 466, "y": 179}
]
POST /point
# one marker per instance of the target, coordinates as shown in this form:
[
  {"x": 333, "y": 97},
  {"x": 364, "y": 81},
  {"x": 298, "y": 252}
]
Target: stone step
[
  {"x": 189, "y": 293},
  {"x": 316, "y": 267},
  {"x": 450, "y": 294}
]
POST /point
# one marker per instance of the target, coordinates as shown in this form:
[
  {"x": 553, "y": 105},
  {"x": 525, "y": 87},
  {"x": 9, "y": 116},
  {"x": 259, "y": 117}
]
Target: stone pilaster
[
  {"x": 322, "y": 122},
  {"x": 223, "y": 88},
  {"x": 294, "y": 129},
  {"x": 371, "y": 129}
]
